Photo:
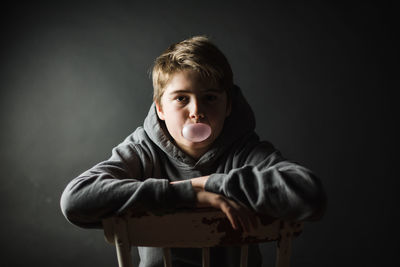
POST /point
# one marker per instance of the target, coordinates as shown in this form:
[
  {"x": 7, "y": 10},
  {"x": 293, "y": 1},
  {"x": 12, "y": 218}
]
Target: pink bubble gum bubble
[{"x": 196, "y": 132}]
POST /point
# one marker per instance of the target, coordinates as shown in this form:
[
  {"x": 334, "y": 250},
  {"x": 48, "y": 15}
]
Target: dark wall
[{"x": 74, "y": 83}]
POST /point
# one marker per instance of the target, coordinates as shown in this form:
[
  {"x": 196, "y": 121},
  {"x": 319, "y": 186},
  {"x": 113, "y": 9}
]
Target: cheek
[
  {"x": 174, "y": 122},
  {"x": 217, "y": 121},
  {"x": 219, "y": 113}
]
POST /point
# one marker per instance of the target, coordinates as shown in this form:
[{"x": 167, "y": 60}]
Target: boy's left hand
[{"x": 236, "y": 213}]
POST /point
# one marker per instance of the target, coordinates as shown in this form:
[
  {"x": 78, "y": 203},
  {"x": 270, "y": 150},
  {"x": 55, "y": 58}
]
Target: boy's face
[{"x": 189, "y": 99}]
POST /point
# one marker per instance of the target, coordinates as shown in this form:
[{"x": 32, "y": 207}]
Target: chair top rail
[{"x": 194, "y": 228}]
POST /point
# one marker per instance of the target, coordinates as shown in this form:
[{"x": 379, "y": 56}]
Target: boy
[{"x": 197, "y": 147}]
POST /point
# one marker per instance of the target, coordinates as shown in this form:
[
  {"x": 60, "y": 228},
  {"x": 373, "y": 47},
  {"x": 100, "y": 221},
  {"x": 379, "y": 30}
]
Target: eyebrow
[{"x": 181, "y": 91}]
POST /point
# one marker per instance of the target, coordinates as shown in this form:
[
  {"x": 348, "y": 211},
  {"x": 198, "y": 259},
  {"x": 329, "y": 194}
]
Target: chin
[{"x": 198, "y": 145}]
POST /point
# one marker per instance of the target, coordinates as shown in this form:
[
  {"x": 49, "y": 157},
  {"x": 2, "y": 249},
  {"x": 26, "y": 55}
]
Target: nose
[{"x": 196, "y": 111}]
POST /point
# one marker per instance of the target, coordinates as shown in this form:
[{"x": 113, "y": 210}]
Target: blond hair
[{"x": 196, "y": 53}]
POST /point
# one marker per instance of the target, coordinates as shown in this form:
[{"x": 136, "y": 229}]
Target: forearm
[
  {"x": 89, "y": 198},
  {"x": 285, "y": 190}
]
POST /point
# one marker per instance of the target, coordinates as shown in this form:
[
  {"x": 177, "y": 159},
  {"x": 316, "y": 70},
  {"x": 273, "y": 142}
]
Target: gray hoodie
[{"x": 138, "y": 174}]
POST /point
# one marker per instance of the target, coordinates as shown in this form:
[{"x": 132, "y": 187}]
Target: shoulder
[
  {"x": 136, "y": 145},
  {"x": 250, "y": 149}
]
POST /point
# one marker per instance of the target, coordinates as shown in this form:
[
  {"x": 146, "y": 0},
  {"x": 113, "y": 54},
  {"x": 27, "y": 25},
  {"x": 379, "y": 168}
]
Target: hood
[{"x": 240, "y": 122}]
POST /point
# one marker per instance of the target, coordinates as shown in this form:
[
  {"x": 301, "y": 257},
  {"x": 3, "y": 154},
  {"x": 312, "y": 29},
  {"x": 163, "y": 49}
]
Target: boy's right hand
[{"x": 238, "y": 215}]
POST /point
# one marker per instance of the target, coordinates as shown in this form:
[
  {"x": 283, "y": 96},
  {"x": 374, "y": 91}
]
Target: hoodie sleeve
[
  {"x": 270, "y": 184},
  {"x": 117, "y": 184}
]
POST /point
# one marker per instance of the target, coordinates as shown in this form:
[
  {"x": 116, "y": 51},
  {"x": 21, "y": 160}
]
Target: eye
[
  {"x": 181, "y": 98},
  {"x": 211, "y": 98}
]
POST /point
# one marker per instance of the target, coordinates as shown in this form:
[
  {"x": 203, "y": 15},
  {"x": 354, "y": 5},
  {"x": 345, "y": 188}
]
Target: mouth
[{"x": 196, "y": 132}]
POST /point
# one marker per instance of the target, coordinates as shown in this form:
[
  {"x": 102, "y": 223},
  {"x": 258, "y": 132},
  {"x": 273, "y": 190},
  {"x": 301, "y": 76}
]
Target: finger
[
  {"x": 228, "y": 210},
  {"x": 244, "y": 222},
  {"x": 241, "y": 215},
  {"x": 232, "y": 219}
]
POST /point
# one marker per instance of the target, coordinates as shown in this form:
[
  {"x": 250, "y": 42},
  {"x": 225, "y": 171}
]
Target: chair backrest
[{"x": 200, "y": 228}]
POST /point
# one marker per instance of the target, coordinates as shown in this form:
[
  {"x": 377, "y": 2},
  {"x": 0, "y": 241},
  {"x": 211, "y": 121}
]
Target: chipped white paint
[{"x": 200, "y": 228}]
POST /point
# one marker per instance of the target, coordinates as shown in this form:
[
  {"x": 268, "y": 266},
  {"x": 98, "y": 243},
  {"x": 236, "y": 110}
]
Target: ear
[{"x": 159, "y": 110}]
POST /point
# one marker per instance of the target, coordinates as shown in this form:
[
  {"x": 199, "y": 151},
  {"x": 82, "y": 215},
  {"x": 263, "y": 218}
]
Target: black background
[{"x": 319, "y": 76}]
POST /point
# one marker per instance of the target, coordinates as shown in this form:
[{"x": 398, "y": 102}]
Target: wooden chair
[{"x": 200, "y": 228}]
